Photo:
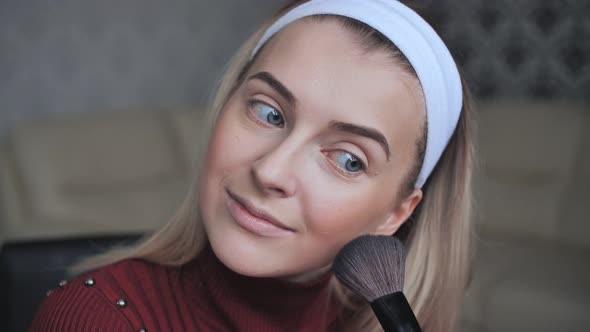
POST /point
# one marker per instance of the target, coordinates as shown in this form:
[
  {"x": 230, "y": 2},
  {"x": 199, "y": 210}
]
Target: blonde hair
[{"x": 437, "y": 235}]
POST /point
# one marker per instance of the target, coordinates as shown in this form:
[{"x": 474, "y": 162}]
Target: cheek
[
  {"x": 345, "y": 213},
  {"x": 223, "y": 155},
  {"x": 222, "y": 145},
  {"x": 230, "y": 145}
]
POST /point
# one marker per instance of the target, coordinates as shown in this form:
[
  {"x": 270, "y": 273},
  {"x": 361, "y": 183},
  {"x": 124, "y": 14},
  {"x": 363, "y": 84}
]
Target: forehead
[
  {"x": 327, "y": 69},
  {"x": 326, "y": 52}
]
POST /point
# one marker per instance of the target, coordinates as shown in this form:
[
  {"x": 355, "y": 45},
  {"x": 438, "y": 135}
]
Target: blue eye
[
  {"x": 349, "y": 162},
  {"x": 268, "y": 114}
]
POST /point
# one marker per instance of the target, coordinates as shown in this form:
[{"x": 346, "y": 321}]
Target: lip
[{"x": 254, "y": 219}]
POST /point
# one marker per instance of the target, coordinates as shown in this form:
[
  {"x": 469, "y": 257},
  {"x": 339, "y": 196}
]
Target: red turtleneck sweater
[{"x": 202, "y": 295}]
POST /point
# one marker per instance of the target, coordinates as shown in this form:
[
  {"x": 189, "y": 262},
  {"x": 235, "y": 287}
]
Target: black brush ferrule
[{"x": 395, "y": 314}]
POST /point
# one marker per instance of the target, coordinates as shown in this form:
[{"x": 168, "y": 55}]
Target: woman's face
[{"x": 310, "y": 152}]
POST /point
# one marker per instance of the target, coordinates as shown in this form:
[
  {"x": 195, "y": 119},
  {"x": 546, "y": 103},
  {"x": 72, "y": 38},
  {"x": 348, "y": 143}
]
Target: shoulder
[
  {"x": 76, "y": 305},
  {"x": 103, "y": 299}
]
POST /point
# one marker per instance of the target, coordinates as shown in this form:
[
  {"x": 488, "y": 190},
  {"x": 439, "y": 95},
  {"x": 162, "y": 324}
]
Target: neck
[
  {"x": 305, "y": 303},
  {"x": 309, "y": 277}
]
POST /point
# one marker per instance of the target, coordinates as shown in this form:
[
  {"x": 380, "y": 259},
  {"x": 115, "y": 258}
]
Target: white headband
[{"x": 423, "y": 48}]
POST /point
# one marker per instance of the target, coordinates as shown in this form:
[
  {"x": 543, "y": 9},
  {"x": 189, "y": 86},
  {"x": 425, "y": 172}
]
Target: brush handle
[{"x": 395, "y": 314}]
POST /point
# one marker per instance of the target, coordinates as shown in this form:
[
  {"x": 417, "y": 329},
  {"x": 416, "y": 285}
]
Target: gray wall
[
  {"x": 89, "y": 55},
  {"x": 518, "y": 49}
]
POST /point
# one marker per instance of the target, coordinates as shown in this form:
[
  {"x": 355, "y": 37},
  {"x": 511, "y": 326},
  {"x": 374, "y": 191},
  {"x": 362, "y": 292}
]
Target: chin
[
  {"x": 248, "y": 257},
  {"x": 252, "y": 259}
]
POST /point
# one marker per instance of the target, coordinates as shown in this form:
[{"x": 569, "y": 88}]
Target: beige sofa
[
  {"x": 97, "y": 173},
  {"x": 126, "y": 171},
  {"x": 532, "y": 271}
]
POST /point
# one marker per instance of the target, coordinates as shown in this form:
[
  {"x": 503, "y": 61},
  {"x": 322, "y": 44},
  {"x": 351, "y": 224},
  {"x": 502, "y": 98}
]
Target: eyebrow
[
  {"x": 275, "y": 84},
  {"x": 368, "y": 132}
]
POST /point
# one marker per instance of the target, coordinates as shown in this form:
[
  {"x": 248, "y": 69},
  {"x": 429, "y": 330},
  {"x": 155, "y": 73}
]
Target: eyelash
[
  {"x": 342, "y": 170},
  {"x": 255, "y": 102}
]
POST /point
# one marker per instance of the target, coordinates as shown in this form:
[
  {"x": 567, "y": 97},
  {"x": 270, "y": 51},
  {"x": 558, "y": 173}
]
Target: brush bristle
[{"x": 371, "y": 265}]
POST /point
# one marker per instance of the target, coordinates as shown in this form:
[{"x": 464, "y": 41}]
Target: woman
[{"x": 322, "y": 130}]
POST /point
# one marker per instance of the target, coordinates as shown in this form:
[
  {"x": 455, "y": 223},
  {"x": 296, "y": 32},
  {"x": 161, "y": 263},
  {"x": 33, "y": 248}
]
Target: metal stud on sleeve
[
  {"x": 89, "y": 282},
  {"x": 121, "y": 303}
]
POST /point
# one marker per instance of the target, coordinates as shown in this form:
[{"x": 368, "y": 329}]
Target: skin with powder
[{"x": 319, "y": 136}]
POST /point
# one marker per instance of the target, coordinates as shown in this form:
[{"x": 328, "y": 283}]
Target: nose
[{"x": 273, "y": 172}]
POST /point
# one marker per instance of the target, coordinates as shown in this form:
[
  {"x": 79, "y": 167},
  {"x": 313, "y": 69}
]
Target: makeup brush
[{"x": 373, "y": 267}]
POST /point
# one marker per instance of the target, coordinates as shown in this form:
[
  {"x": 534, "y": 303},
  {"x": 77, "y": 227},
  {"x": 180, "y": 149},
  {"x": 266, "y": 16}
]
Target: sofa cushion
[
  {"x": 532, "y": 287},
  {"x": 468, "y": 326},
  {"x": 528, "y": 151},
  {"x": 573, "y": 224},
  {"x": 110, "y": 171}
]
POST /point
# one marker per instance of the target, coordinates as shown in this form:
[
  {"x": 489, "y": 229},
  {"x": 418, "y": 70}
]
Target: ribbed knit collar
[{"x": 260, "y": 304}]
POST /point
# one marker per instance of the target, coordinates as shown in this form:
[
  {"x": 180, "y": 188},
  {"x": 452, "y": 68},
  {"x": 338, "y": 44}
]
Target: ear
[{"x": 397, "y": 216}]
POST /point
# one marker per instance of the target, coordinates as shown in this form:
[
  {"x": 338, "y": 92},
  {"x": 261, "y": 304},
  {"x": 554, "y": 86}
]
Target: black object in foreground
[{"x": 373, "y": 266}]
